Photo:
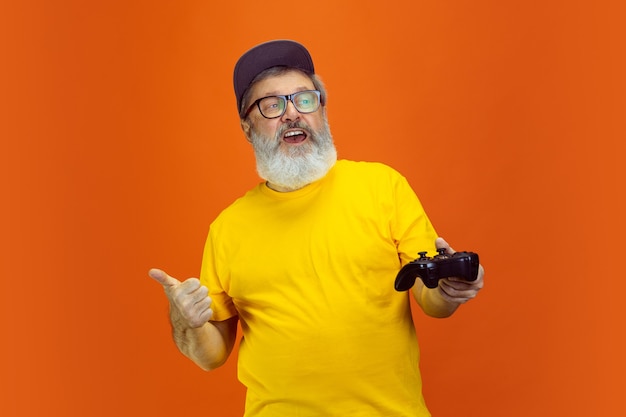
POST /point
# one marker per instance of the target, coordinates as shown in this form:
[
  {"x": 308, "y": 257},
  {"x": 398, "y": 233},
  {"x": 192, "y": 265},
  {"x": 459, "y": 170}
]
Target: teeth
[{"x": 294, "y": 133}]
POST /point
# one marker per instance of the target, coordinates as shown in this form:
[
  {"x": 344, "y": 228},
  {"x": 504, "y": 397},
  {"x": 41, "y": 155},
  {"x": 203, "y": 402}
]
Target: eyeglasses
[{"x": 275, "y": 106}]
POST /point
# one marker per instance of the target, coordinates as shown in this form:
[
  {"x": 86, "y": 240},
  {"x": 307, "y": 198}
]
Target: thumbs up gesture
[{"x": 189, "y": 300}]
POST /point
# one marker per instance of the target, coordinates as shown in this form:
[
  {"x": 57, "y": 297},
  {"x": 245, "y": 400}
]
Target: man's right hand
[{"x": 189, "y": 299}]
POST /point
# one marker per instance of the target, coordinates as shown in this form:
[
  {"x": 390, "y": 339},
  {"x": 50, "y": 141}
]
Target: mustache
[{"x": 294, "y": 125}]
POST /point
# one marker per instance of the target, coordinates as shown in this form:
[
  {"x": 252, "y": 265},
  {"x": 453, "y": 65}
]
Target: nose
[{"x": 291, "y": 113}]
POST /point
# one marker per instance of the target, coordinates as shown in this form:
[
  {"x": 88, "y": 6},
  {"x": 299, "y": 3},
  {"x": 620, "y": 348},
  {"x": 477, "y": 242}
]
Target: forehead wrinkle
[{"x": 277, "y": 92}]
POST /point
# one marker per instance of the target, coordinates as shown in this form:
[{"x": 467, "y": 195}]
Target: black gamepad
[{"x": 431, "y": 270}]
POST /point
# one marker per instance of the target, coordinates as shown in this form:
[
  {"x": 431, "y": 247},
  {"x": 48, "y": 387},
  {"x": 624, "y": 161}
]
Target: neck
[{"x": 282, "y": 189}]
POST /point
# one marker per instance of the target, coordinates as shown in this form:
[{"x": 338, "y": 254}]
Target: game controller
[{"x": 431, "y": 270}]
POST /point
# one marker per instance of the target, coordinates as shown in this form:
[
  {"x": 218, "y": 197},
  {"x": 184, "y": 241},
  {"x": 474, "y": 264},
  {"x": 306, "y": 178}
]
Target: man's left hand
[{"x": 458, "y": 290}]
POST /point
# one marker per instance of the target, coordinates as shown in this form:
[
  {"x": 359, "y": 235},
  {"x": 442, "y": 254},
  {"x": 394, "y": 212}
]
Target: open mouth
[{"x": 295, "y": 136}]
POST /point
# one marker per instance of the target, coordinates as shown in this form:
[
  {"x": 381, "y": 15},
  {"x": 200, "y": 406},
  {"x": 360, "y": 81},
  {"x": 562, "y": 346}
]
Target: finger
[
  {"x": 458, "y": 288},
  {"x": 441, "y": 243},
  {"x": 162, "y": 278},
  {"x": 193, "y": 290},
  {"x": 454, "y": 294},
  {"x": 201, "y": 316},
  {"x": 189, "y": 293},
  {"x": 202, "y": 309},
  {"x": 194, "y": 305}
]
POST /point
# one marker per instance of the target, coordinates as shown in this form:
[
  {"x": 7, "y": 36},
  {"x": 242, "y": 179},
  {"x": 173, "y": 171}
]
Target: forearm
[
  {"x": 205, "y": 346},
  {"x": 432, "y": 301}
]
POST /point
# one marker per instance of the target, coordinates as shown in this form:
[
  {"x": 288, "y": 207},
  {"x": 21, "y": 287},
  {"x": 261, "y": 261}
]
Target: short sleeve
[
  {"x": 222, "y": 304},
  {"x": 413, "y": 230}
]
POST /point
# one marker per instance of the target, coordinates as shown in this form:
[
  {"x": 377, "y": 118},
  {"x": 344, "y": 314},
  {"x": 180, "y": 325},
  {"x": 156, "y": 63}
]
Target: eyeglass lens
[{"x": 304, "y": 101}]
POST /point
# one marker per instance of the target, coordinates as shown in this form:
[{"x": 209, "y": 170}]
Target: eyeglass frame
[{"x": 286, "y": 98}]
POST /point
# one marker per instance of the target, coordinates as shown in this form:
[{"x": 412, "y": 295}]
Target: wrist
[{"x": 436, "y": 304}]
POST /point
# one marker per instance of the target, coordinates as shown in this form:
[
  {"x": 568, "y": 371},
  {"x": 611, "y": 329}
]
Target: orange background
[{"x": 121, "y": 142}]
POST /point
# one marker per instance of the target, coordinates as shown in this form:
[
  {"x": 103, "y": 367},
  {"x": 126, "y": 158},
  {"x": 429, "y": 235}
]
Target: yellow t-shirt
[{"x": 310, "y": 274}]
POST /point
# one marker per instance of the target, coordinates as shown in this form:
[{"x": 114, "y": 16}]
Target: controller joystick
[{"x": 431, "y": 270}]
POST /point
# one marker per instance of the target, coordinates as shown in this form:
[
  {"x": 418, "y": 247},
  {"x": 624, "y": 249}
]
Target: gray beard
[{"x": 296, "y": 166}]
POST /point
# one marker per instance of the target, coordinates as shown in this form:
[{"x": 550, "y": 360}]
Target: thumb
[
  {"x": 441, "y": 243},
  {"x": 162, "y": 278}
]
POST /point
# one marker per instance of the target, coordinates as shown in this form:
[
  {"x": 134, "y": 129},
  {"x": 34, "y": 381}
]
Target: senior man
[{"x": 306, "y": 261}]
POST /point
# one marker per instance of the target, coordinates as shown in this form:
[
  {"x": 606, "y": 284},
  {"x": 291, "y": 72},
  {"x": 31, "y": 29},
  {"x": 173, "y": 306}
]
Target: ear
[{"x": 245, "y": 126}]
